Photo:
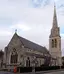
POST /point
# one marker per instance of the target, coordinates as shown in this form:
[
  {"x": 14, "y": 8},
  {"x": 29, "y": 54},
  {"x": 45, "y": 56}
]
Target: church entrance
[{"x": 28, "y": 62}]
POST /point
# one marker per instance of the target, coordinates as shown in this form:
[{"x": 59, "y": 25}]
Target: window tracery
[{"x": 14, "y": 56}]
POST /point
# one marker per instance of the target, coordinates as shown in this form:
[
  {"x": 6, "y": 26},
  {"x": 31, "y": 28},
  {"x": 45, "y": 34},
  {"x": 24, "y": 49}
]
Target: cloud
[
  {"x": 5, "y": 33},
  {"x": 33, "y": 23},
  {"x": 62, "y": 35},
  {"x": 40, "y": 3},
  {"x": 36, "y": 3},
  {"x": 21, "y": 26},
  {"x": 60, "y": 6}
]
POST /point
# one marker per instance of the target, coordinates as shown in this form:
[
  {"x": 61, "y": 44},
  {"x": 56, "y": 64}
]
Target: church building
[
  {"x": 55, "y": 41},
  {"x": 22, "y": 52}
]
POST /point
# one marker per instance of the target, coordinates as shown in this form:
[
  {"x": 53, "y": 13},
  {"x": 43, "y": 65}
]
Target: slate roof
[{"x": 33, "y": 45}]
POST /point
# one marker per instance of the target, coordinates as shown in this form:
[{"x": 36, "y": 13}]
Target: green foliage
[{"x": 1, "y": 53}]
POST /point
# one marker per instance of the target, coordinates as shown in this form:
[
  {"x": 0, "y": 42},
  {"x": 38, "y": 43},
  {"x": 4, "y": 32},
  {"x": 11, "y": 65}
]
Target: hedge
[{"x": 44, "y": 68}]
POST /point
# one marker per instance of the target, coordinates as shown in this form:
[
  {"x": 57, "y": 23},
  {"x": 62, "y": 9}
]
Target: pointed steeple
[
  {"x": 55, "y": 31},
  {"x": 55, "y": 18}
]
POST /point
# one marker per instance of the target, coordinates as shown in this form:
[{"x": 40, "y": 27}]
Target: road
[
  {"x": 57, "y": 72},
  {"x": 2, "y": 72}
]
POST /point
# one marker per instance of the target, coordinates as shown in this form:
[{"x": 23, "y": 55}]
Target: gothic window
[
  {"x": 55, "y": 42},
  {"x": 52, "y": 43},
  {"x": 14, "y": 49},
  {"x": 14, "y": 57},
  {"x": 36, "y": 63},
  {"x": 28, "y": 62}
]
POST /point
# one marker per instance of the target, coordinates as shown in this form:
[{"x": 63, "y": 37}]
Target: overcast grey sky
[{"x": 32, "y": 19}]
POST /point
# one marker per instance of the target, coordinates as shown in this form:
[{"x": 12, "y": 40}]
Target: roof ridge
[
  {"x": 31, "y": 41},
  {"x": 31, "y": 45}
]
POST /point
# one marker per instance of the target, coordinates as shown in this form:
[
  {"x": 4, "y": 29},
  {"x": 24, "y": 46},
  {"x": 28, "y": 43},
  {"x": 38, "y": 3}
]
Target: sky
[{"x": 32, "y": 19}]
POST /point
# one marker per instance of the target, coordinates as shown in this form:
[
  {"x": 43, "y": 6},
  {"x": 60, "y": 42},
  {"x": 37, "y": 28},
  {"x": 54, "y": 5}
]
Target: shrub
[
  {"x": 45, "y": 68},
  {"x": 24, "y": 69}
]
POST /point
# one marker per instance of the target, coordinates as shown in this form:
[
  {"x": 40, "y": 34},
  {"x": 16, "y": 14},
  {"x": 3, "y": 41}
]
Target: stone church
[
  {"x": 22, "y": 52},
  {"x": 55, "y": 41}
]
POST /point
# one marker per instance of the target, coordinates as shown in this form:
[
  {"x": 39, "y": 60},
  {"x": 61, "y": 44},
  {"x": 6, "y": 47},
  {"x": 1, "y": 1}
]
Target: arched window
[
  {"x": 52, "y": 43},
  {"x": 28, "y": 62},
  {"x": 55, "y": 42},
  {"x": 14, "y": 57}
]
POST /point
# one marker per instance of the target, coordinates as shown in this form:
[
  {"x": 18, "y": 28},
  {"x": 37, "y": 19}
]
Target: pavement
[{"x": 58, "y": 72}]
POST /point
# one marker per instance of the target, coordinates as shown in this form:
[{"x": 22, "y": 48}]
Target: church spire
[
  {"x": 55, "y": 31},
  {"x": 55, "y": 18}
]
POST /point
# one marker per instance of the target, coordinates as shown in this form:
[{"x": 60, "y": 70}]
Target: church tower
[{"x": 55, "y": 40}]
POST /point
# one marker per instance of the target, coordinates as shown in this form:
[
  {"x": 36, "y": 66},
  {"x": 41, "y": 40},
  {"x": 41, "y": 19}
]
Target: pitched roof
[{"x": 33, "y": 46}]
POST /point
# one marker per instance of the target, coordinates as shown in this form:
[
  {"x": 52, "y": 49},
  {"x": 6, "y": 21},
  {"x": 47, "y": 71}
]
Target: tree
[
  {"x": 1, "y": 54},
  {"x": 1, "y": 57}
]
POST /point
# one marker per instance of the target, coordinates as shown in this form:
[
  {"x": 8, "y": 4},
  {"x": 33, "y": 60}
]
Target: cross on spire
[{"x": 15, "y": 30}]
